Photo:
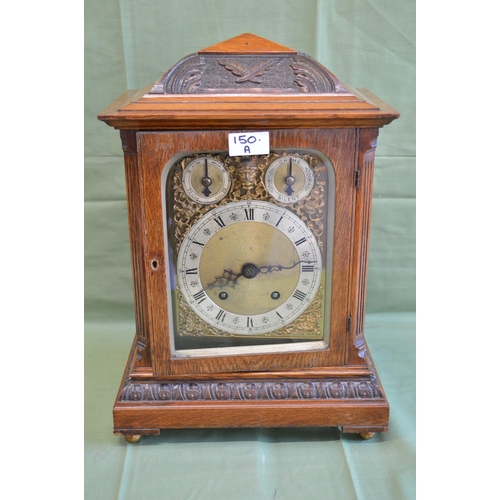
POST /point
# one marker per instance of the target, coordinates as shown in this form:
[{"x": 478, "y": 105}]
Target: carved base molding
[{"x": 356, "y": 403}]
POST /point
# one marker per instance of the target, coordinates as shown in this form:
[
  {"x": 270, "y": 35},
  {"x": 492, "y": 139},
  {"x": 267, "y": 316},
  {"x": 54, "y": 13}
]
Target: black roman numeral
[
  {"x": 307, "y": 268},
  {"x": 299, "y": 295},
  {"x": 278, "y": 223},
  {"x": 192, "y": 271},
  {"x": 299, "y": 242},
  {"x": 200, "y": 296},
  {"x": 249, "y": 322},
  {"x": 249, "y": 214},
  {"x": 219, "y": 221},
  {"x": 221, "y": 315},
  {"x": 198, "y": 243}
]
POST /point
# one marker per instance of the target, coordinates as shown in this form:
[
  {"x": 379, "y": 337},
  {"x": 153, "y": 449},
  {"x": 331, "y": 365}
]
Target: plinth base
[{"x": 322, "y": 398}]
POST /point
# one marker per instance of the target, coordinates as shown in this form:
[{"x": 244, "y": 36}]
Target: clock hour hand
[
  {"x": 206, "y": 181},
  {"x": 230, "y": 278}
]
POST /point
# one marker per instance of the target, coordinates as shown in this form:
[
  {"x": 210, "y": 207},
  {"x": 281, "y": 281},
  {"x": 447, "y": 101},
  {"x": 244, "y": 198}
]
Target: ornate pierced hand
[{"x": 230, "y": 278}]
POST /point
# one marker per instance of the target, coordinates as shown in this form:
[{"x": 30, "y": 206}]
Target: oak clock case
[
  {"x": 251, "y": 263},
  {"x": 249, "y": 269}
]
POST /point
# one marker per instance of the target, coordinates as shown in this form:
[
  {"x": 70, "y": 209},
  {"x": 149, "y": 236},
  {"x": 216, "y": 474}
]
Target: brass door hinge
[{"x": 356, "y": 178}]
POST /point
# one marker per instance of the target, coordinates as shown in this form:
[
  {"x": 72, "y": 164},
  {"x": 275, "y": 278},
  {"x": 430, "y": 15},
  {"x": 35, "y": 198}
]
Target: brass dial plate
[
  {"x": 247, "y": 176},
  {"x": 249, "y": 267}
]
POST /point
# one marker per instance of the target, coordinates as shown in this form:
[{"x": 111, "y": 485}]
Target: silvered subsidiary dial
[
  {"x": 289, "y": 179},
  {"x": 249, "y": 267},
  {"x": 205, "y": 180}
]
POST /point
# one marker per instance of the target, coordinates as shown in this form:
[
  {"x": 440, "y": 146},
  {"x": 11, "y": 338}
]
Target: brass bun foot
[
  {"x": 134, "y": 438},
  {"x": 366, "y": 435}
]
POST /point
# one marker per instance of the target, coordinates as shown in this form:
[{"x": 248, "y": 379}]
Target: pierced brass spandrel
[
  {"x": 247, "y": 177},
  {"x": 306, "y": 326}
]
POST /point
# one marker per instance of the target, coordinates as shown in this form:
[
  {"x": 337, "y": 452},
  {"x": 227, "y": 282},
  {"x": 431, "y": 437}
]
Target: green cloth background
[{"x": 366, "y": 44}]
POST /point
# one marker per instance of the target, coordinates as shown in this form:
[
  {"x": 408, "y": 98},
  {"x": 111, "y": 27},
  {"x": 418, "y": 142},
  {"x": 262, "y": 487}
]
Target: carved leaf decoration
[
  {"x": 305, "y": 79},
  {"x": 192, "y": 80},
  {"x": 310, "y": 77},
  {"x": 248, "y": 74},
  {"x": 251, "y": 389},
  {"x": 234, "y": 67}
]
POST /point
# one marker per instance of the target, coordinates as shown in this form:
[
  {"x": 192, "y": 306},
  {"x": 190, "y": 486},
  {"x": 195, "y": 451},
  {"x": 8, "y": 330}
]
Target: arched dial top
[{"x": 249, "y": 267}]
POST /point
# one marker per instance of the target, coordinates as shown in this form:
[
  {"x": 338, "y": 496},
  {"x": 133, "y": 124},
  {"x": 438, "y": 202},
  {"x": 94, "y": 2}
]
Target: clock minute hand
[{"x": 279, "y": 267}]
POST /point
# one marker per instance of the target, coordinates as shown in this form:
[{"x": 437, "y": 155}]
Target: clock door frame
[{"x": 154, "y": 150}]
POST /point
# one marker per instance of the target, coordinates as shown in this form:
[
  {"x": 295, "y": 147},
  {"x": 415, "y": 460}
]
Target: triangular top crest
[{"x": 247, "y": 43}]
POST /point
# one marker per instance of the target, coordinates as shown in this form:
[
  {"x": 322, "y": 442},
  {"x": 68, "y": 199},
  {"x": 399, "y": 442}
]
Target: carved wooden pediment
[
  {"x": 244, "y": 82},
  {"x": 248, "y": 64}
]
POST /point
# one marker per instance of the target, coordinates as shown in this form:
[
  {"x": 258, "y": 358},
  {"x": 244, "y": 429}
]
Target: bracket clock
[{"x": 249, "y": 170}]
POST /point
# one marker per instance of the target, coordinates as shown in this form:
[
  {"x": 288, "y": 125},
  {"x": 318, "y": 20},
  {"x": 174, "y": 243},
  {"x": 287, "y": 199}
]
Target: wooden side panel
[
  {"x": 133, "y": 179},
  {"x": 361, "y": 240}
]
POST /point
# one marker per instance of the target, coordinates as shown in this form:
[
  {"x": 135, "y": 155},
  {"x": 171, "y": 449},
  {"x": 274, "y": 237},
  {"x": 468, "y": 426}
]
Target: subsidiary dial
[
  {"x": 289, "y": 179},
  {"x": 205, "y": 180}
]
